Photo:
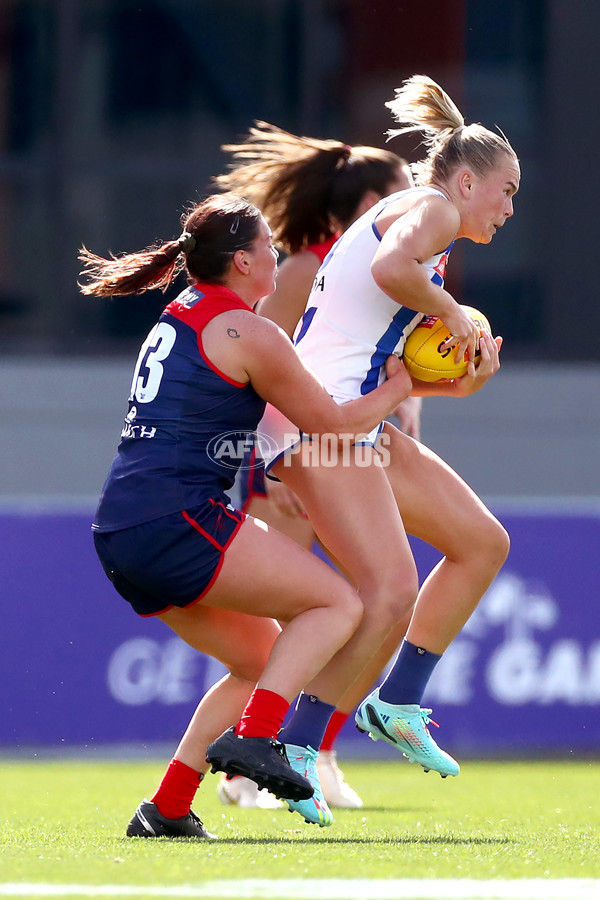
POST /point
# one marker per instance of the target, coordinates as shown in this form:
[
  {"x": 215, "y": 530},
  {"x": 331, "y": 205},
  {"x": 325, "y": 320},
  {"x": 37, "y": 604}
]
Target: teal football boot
[
  {"x": 404, "y": 727},
  {"x": 303, "y": 760}
]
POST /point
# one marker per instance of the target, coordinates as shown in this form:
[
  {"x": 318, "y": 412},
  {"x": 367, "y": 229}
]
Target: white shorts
[{"x": 277, "y": 436}]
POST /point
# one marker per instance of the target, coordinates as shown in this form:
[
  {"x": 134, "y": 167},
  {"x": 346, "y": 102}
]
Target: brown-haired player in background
[{"x": 310, "y": 191}]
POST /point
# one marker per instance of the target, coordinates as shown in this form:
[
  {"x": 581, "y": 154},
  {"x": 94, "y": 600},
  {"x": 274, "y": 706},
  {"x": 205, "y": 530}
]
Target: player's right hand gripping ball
[{"x": 424, "y": 355}]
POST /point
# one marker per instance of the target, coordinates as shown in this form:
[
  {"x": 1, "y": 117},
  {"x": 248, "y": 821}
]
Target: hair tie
[{"x": 187, "y": 242}]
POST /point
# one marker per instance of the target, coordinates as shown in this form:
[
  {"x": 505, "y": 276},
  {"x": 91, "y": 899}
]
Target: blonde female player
[
  {"x": 310, "y": 191},
  {"x": 382, "y": 276}
]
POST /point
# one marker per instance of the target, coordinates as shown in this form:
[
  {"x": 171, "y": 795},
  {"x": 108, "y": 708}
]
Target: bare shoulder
[
  {"x": 303, "y": 264},
  {"x": 421, "y": 230},
  {"x": 234, "y": 340},
  {"x": 239, "y": 325},
  {"x": 428, "y": 209},
  {"x": 442, "y": 210}
]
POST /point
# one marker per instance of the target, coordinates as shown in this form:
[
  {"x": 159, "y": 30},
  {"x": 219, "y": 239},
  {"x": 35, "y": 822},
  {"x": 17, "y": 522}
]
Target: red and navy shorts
[{"x": 171, "y": 561}]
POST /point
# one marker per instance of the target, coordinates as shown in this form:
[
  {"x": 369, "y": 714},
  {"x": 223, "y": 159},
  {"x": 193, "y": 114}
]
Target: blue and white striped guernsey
[{"x": 350, "y": 326}]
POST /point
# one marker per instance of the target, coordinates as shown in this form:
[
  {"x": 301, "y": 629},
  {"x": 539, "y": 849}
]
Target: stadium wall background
[
  {"x": 79, "y": 671},
  {"x": 111, "y": 116}
]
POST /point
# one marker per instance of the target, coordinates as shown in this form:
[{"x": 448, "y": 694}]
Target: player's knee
[
  {"x": 502, "y": 543},
  {"x": 480, "y": 541},
  {"x": 494, "y": 542},
  {"x": 393, "y": 597},
  {"x": 351, "y": 609},
  {"x": 251, "y": 659},
  {"x": 249, "y": 669},
  {"x": 402, "y": 600}
]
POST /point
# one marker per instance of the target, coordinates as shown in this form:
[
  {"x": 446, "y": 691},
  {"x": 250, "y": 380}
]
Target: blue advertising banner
[
  {"x": 79, "y": 669},
  {"x": 523, "y": 676}
]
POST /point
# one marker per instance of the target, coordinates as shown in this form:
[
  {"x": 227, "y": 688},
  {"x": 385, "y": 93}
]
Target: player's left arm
[{"x": 473, "y": 381}]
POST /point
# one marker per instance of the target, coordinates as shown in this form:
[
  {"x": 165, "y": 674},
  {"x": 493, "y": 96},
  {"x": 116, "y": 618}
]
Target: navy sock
[
  {"x": 407, "y": 679},
  {"x": 308, "y": 723}
]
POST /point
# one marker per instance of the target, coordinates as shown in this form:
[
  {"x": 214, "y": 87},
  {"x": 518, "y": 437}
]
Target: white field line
[{"x": 331, "y": 889}]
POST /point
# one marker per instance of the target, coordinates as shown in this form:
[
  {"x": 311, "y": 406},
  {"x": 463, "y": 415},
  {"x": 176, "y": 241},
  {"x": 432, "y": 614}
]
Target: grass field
[{"x": 63, "y": 823}]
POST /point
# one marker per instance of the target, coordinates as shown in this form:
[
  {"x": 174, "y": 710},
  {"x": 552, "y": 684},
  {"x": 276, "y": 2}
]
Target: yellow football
[{"x": 424, "y": 355}]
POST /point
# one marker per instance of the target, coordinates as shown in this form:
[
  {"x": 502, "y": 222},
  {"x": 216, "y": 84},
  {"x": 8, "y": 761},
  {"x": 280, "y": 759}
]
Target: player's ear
[
  {"x": 465, "y": 182},
  {"x": 241, "y": 261}
]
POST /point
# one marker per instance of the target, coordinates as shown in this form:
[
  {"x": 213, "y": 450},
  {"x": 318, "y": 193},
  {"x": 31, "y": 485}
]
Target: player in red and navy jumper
[
  {"x": 179, "y": 451},
  {"x": 164, "y": 532}
]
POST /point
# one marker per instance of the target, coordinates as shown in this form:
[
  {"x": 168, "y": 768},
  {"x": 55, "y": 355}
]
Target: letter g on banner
[{"x": 142, "y": 670}]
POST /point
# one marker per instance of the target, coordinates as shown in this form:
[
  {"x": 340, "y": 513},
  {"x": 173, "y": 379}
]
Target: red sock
[
  {"x": 263, "y": 715},
  {"x": 336, "y": 723},
  {"x": 177, "y": 789}
]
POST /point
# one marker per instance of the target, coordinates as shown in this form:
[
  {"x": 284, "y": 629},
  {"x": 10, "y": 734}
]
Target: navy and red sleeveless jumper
[{"x": 185, "y": 433}]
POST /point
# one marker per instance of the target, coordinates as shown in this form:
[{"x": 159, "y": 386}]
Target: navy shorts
[{"x": 171, "y": 561}]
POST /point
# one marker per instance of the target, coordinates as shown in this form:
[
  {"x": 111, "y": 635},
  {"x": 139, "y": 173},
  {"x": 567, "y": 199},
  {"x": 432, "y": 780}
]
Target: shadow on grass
[
  {"x": 388, "y": 841},
  {"x": 416, "y": 810}
]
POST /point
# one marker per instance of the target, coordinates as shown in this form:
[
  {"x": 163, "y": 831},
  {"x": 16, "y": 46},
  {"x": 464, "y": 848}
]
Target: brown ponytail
[
  {"x": 213, "y": 230},
  {"x": 307, "y": 188}
]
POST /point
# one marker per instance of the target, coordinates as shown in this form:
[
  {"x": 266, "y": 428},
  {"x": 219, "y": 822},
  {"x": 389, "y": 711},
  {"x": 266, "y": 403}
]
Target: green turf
[{"x": 64, "y": 822}]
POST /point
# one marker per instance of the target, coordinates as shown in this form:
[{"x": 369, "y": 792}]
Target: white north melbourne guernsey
[{"x": 350, "y": 326}]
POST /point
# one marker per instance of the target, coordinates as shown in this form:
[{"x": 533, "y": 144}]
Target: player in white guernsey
[
  {"x": 380, "y": 278},
  {"x": 310, "y": 191},
  {"x": 351, "y": 325}
]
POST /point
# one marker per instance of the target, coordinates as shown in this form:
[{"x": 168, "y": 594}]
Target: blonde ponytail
[{"x": 422, "y": 105}]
